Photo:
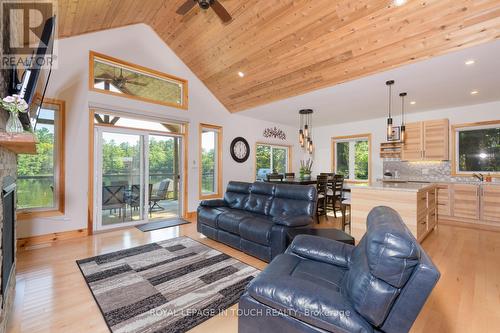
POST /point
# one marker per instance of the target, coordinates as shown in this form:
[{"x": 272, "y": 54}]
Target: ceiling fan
[
  {"x": 120, "y": 81},
  {"x": 205, "y": 4}
]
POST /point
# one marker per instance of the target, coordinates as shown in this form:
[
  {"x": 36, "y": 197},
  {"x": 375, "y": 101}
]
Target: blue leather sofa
[
  {"x": 254, "y": 218},
  {"x": 320, "y": 285}
]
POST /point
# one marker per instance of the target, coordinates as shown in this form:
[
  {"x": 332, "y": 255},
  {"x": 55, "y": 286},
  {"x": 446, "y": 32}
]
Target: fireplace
[{"x": 8, "y": 242}]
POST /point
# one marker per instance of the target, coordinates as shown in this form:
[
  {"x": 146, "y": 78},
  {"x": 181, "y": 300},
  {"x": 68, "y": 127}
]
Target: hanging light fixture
[
  {"x": 389, "y": 119},
  {"x": 403, "y": 127},
  {"x": 305, "y": 131}
]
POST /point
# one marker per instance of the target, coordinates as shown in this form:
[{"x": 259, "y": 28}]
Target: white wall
[
  {"x": 323, "y": 135},
  {"x": 137, "y": 44}
]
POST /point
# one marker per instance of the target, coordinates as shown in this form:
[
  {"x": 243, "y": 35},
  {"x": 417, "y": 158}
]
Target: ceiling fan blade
[
  {"x": 136, "y": 83},
  {"x": 102, "y": 78},
  {"x": 186, "y": 7},
  {"x": 221, "y": 11}
]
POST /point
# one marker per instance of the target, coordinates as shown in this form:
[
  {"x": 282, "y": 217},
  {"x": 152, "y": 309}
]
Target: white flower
[
  {"x": 23, "y": 106},
  {"x": 9, "y": 99}
]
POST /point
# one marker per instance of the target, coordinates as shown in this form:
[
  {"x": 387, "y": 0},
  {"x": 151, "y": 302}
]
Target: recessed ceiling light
[
  {"x": 241, "y": 74},
  {"x": 470, "y": 62},
  {"x": 474, "y": 92},
  {"x": 399, "y": 2},
  {"x": 413, "y": 102}
]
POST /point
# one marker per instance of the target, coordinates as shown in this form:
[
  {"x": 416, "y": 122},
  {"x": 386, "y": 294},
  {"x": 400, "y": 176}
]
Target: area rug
[
  {"x": 169, "y": 286},
  {"x": 161, "y": 224}
]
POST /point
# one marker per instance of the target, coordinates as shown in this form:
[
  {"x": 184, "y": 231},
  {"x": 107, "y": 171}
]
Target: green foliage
[
  {"x": 361, "y": 160},
  {"x": 343, "y": 159},
  {"x": 479, "y": 150}
]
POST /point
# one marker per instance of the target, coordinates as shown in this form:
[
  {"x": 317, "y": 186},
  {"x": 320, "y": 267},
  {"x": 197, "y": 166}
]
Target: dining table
[{"x": 311, "y": 181}]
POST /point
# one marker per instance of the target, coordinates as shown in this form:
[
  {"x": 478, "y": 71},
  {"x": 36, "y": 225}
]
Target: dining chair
[
  {"x": 321, "y": 188},
  {"x": 346, "y": 205},
  {"x": 271, "y": 177}
]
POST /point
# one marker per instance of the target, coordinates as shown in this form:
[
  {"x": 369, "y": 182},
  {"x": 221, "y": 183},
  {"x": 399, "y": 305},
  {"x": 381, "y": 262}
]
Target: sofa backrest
[
  {"x": 260, "y": 198},
  {"x": 293, "y": 200},
  {"x": 381, "y": 266},
  {"x": 237, "y": 194}
]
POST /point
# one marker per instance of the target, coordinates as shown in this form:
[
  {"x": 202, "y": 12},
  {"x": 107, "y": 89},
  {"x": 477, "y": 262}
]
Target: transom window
[
  {"x": 210, "y": 157},
  {"x": 116, "y": 120},
  {"x": 40, "y": 184},
  {"x": 351, "y": 156},
  {"x": 117, "y": 77},
  {"x": 271, "y": 159},
  {"x": 477, "y": 148}
]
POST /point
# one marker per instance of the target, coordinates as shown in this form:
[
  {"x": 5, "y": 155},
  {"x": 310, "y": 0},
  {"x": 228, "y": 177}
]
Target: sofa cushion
[
  {"x": 380, "y": 265},
  {"x": 293, "y": 200},
  {"x": 236, "y": 195},
  {"x": 318, "y": 304},
  {"x": 208, "y": 215},
  {"x": 256, "y": 229},
  {"x": 230, "y": 220},
  {"x": 260, "y": 198}
]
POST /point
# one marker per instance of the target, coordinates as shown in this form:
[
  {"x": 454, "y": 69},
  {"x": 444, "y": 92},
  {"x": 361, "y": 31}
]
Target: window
[
  {"x": 477, "y": 148},
  {"x": 115, "y": 119},
  {"x": 271, "y": 159},
  {"x": 210, "y": 173},
  {"x": 351, "y": 156},
  {"x": 40, "y": 184},
  {"x": 120, "y": 78}
]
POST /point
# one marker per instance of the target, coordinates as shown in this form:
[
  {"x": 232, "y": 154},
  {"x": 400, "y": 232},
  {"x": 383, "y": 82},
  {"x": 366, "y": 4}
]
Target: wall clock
[{"x": 240, "y": 150}]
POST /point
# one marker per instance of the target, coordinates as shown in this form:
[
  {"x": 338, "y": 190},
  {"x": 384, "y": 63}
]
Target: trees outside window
[
  {"x": 351, "y": 156},
  {"x": 271, "y": 158}
]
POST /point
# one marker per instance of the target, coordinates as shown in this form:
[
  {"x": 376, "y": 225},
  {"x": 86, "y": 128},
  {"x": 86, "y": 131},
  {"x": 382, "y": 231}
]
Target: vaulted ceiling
[{"x": 290, "y": 47}]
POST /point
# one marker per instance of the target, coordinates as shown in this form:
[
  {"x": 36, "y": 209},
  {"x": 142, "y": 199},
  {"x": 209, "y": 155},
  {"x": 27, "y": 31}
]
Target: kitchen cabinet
[
  {"x": 466, "y": 201},
  {"x": 443, "y": 200},
  {"x": 427, "y": 141},
  {"x": 490, "y": 203}
]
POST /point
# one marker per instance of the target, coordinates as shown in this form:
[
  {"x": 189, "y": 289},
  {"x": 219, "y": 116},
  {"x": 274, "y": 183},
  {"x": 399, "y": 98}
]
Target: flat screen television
[{"x": 35, "y": 78}]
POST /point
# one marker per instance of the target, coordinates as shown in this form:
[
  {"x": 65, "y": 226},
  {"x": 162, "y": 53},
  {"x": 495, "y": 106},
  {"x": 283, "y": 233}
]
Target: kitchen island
[{"x": 416, "y": 203}]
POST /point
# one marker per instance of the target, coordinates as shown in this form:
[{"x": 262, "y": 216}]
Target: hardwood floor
[{"x": 51, "y": 295}]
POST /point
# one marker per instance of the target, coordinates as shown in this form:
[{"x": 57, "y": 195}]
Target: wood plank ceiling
[{"x": 290, "y": 47}]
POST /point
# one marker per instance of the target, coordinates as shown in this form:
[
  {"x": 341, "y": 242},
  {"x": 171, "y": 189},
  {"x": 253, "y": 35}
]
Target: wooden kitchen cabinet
[
  {"x": 490, "y": 203},
  {"x": 413, "y": 145},
  {"x": 436, "y": 140},
  {"x": 466, "y": 201},
  {"x": 443, "y": 200},
  {"x": 427, "y": 141}
]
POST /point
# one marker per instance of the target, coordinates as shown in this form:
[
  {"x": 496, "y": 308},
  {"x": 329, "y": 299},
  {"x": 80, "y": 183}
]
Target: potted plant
[
  {"x": 14, "y": 104},
  {"x": 305, "y": 169}
]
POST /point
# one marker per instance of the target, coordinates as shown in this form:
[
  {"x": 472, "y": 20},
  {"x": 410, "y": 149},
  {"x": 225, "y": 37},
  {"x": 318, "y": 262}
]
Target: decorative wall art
[{"x": 274, "y": 133}]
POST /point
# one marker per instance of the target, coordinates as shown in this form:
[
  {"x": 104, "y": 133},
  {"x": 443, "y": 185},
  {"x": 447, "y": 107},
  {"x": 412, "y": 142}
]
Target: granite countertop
[
  {"x": 435, "y": 181},
  {"x": 393, "y": 186}
]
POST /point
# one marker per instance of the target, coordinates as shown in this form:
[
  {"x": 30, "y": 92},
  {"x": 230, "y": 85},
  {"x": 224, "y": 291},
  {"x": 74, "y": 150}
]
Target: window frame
[
  {"x": 273, "y": 145},
  {"x": 141, "y": 69},
  {"x": 59, "y": 166},
  {"x": 218, "y": 193},
  {"x": 349, "y": 138},
  {"x": 455, "y": 129}
]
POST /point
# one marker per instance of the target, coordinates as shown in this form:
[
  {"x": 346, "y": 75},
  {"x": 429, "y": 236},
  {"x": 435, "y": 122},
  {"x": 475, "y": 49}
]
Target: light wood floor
[{"x": 51, "y": 295}]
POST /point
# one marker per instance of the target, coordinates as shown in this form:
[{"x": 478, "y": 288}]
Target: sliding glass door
[{"x": 137, "y": 177}]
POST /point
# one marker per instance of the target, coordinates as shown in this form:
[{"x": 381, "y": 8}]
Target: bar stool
[{"x": 346, "y": 203}]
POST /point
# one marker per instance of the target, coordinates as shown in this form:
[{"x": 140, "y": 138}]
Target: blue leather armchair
[
  {"x": 320, "y": 285},
  {"x": 255, "y": 218}
]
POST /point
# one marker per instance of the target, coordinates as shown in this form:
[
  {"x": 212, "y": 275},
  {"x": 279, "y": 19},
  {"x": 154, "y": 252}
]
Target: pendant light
[
  {"x": 305, "y": 131},
  {"x": 403, "y": 127},
  {"x": 389, "y": 119}
]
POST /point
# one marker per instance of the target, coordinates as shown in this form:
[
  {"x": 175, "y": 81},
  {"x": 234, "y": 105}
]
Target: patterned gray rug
[{"x": 170, "y": 286}]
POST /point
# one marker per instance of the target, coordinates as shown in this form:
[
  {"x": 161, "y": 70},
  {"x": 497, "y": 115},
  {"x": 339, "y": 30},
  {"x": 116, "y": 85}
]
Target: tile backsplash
[{"x": 424, "y": 171}]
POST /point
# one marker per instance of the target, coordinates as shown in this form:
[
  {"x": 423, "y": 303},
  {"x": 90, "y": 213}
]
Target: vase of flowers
[
  {"x": 14, "y": 104},
  {"x": 305, "y": 169}
]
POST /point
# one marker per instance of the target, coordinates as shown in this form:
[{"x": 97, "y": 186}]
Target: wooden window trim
[
  {"x": 351, "y": 137},
  {"x": 60, "y": 130},
  {"x": 218, "y": 193},
  {"x": 454, "y": 130},
  {"x": 289, "y": 157},
  {"x": 141, "y": 69}
]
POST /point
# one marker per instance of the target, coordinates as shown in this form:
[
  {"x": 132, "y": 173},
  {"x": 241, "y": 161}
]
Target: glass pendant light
[
  {"x": 403, "y": 127},
  {"x": 305, "y": 131},
  {"x": 389, "y": 119}
]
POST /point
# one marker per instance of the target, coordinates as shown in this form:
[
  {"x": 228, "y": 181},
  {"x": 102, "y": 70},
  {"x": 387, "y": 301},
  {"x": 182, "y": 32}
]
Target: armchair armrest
[
  {"x": 321, "y": 249},
  {"x": 213, "y": 203},
  {"x": 293, "y": 221}
]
